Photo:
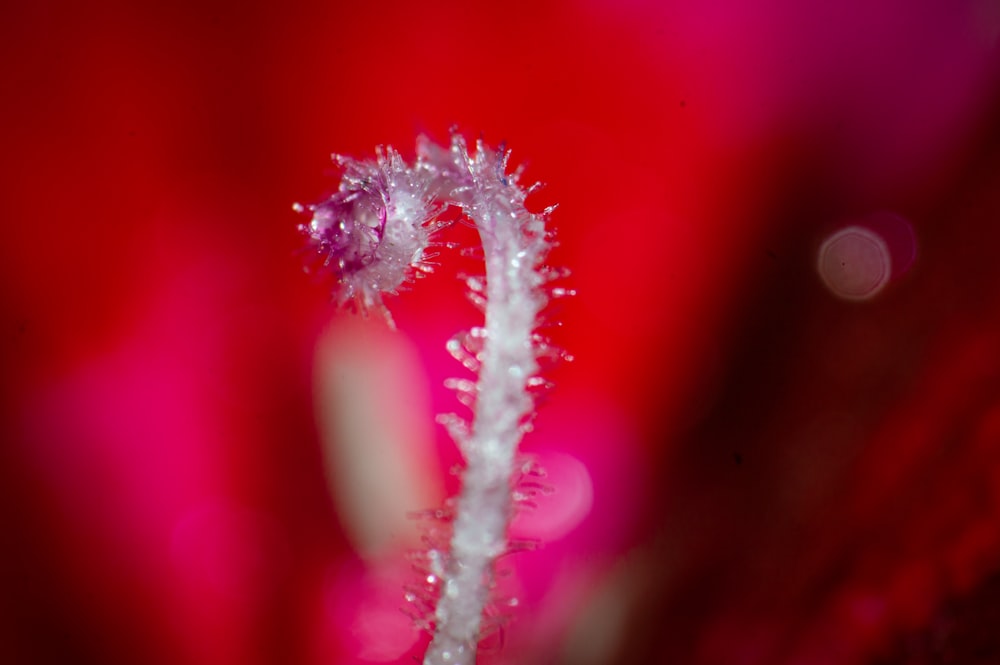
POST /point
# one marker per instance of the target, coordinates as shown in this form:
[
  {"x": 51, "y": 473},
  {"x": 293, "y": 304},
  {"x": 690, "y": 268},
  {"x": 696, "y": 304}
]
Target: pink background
[{"x": 747, "y": 469}]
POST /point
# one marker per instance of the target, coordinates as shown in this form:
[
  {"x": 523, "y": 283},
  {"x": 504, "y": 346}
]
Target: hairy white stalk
[
  {"x": 514, "y": 243},
  {"x": 373, "y": 233}
]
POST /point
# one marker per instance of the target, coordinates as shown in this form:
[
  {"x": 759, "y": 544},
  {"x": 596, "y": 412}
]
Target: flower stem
[
  {"x": 373, "y": 235},
  {"x": 514, "y": 242}
]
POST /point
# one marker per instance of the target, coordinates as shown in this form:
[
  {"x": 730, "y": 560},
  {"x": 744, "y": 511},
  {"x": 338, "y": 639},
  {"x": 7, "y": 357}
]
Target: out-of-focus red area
[{"x": 748, "y": 468}]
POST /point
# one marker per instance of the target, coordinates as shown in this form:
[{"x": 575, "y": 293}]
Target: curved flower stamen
[{"x": 373, "y": 233}]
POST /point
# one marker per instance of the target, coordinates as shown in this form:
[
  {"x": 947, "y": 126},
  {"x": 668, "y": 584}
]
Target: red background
[{"x": 779, "y": 476}]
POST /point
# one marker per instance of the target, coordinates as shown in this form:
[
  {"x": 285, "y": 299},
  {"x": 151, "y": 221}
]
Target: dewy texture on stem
[
  {"x": 375, "y": 230},
  {"x": 374, "y": 234}
]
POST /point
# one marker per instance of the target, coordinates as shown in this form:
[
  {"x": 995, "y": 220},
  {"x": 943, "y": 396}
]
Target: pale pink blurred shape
[
  {"x": 565, "y": 588},
  {"x": 375, "y": 424},
  {"x": 857, "y": 261},
  {"x": 363, "y": 606},
  {"x": 560, "y": 511},
  {"x": 854, "y": 263}
]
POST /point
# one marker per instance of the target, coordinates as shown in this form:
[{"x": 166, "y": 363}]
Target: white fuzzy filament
[{"x": 514, "y": 242}]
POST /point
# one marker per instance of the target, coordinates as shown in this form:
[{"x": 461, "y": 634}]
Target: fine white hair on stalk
[{"x": 373, "y": 234}]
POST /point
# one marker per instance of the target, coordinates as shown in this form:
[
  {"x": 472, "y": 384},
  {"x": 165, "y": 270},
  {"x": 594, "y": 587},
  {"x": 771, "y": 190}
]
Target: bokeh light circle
[{"x": 855, "y": 263}]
